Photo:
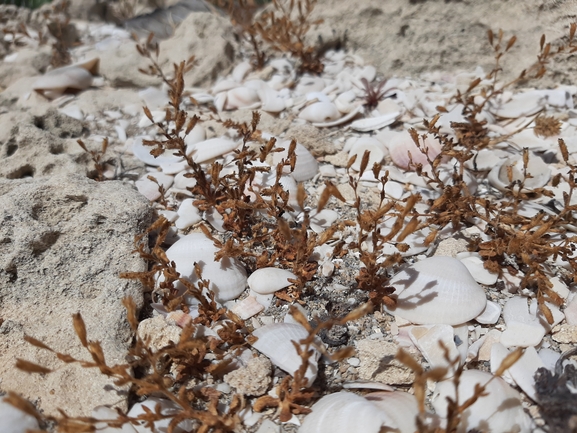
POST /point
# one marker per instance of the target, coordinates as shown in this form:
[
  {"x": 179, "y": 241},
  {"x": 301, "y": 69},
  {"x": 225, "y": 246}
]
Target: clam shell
[
  {"x": 269, "y": 280},
  {"x": 212, "y": 148},
  {"x": 537, "y": 168},
  {"x": 309, "y": 84},
  {"x": 275, "y": 342},
  {"x": 375, "y": 123},
  {"x": 498, "y": 411},
  {"x": 377, "y": 149},
  {"x": 306, "y": 166},
  {"x": 401, "y": 407},
  {"x": 437, "y": 290},
  {"x": 344, "y": 412},
  {"x": 241, "y": 97},
  {"x": 240, "y": 71},
  {"x": 227, "y": 277},
  {"x": 68, "y": 78},
  {"x": 402, "y": 144},
  {"x": 344, "y": 101},
  {"x": 320, "y": 112}
]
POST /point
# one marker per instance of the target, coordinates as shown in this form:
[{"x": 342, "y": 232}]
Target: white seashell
[
  {"x": 437, "y": 290},
  {"x": 181, "y": 182},
  {"x": 367, "y": 384},
  {"x": 486, "y": 159},
  {"x": 157, "y": 116},
  {"x": 107, "y": 413},
  {"x": 227, "y": 277},
  {"x": 428, "y": 341},
  {"x": 269, "y": 280},
  {"x": 149, "y": 189},
  {"x": 345, "y": 412},
  {"x": 368, "y": 72},
  {"x": 523, "y": 371},
  {"x": 188, "y": 214},
  {"x": 490, "y": 314},
  {"x": 377, "y": 150},
  {"x": 142, "y": 152},
  {"x": 14, "y": 420},
  {"x": 320, "y": 112},
  {"x": 401, "y": 407},
  {"x": 220, "y": 101},
  {"x": 344, "y": 101},
  {"x": 498, "y": 411},
  {"x": 271, "y": 100},
  {"x": 523, "y": 328},
  {"x": 247, "y": 308},
  {"x": 527, "y": 138},
  {"x": 402, "y": 144},
  {"x": 173, "y": 168},
  {"x": 241, "y": 97},
  {"x": 196, "y": 135},
  {"x": 306, "y": 166},
  {"x": 317, "y": 97},
  {"x": 209, "y": 149},
  {"x": 224, "y": 86},
  {"x": 323, "y": 220},
  {"x": 275, "y": 342},
  {"x": 68, "y": 78},
  {"x": 474, "y": 264},
  {"x": 240, "y": 71},
  {"x": 202, "y": 98},
  {"x": 340, "y": 120},
  {"x": 521, "y": 104},
  {"x": 215, "y": 219},
  {"x": 537, "y": 168},
  {"x": 375, "y": 123},
  {"x": 167, "y": 407},
  {"x": 76, "y": 113},
  {"x": 154, "y": 98},
  {"x": 309, "y": 84}
]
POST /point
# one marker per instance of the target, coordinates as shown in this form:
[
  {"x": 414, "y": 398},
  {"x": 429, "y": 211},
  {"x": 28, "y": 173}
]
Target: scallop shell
[
  {"x": 275, "y": 342},
  {"x": 72, "y": 78},
  {"x": 227, "y": 277},
  {"x": 377, "y": 152},
  {"x": 269, "y": 280},
  {"x": 537, "y": 168},
  {"x": 402, "y": 144},
  {"x": 375, "y": 123},
  {"x": 402, "y": 407},
  {"x": 212, "y": 148},
  {"x": 306, "y": 166},
  {"x": 344, "y": 412},
  {"x": 437, "y": 290},
  {"x": 498, "y": 411}
]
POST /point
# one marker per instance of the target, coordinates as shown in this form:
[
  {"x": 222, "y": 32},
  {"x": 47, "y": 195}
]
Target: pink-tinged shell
[
  {"x": 247, "y": 308},
  {"x": 437, "y": 290},
  {"x": 402, "y": 144},
  {"x": 179, "y": 318}
]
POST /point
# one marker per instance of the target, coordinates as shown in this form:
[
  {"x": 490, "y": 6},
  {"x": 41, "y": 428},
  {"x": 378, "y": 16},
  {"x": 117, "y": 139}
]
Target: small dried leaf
[
  {"x": 511, "y": 43},
  {"x": 80, "y": 328},
  {"x": 509, "y": 360},
  {"x": 30, "y": 367}
]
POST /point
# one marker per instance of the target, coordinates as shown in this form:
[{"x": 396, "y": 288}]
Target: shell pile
[{"x": 443, "y": 293}]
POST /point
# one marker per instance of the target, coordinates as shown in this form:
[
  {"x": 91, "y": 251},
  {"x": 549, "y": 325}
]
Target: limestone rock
[
  {"x": 63, "y": 242},
  {"x": 254, "y": 379},
  {"x": 206, "y": 36},
  {"x": 377, "y": 363}
]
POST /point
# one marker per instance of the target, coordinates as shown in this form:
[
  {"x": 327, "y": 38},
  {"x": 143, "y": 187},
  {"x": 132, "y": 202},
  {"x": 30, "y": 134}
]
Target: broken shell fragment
[
  {"x": 72, "y": 78},
  {"x": 499, "y": 409},
  {"x": 269, "y": 280},
  {"x": 375, "y": 123},
  {"x": 276, "y": 342},
  {"x": 536, "y": 167},
  {"x": 437, "y": 290}
]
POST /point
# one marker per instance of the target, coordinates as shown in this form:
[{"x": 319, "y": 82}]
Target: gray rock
[{"x": 63, "y": 242}]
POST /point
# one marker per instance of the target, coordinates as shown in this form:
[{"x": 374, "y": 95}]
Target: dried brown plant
[
  {"x": 97, "y": 157},
  {"x": 374, "y": 93}
]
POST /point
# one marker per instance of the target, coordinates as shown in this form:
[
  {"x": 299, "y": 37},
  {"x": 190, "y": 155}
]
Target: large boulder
[
  {"x": 64, "y": 241},
  {"x": 410, "y": 37}
]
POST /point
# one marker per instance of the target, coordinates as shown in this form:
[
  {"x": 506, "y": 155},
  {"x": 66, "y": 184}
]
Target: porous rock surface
[{"x": 64, "y": 240}]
